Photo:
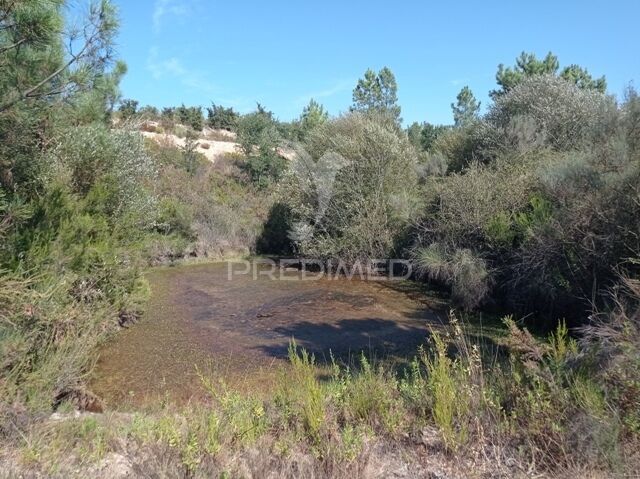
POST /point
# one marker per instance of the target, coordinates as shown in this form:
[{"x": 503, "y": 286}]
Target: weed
[{"x": 450, "y": 400}]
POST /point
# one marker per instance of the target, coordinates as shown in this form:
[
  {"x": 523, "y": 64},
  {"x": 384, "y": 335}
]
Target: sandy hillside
[
  {"x": 212, "y": 149},
  {"x": 214, "y": 144}
]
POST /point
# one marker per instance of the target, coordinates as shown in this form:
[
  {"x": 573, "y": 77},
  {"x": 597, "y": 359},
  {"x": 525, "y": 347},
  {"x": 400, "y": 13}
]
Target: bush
[
  {"x": 300, "y": 396},
  {"x": 222, "y": 118},
  {"x": 114, "y": 161},
  {"x": 548, "y": 224},
  {"x": 564, "y": 115},
  {"x": 450, "y": 399},
  {"x": 259, "y": 139},
  {"x": 265, "y": 167},
  {"x": 354, "y": 189},
  {"x": 463, "y": 271},
  {"x": 190, "y": 116},
  {"x": 211, "y": 213}
]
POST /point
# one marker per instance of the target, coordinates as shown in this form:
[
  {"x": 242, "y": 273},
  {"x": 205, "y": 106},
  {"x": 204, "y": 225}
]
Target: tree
[
  {"x": 222, "y": 118},
  {"x": 528, "y": 65},
  {"x": 128, "y": 109},
  {"x": 548, "y": 110},
  {"x": 414, "y": 132},
  {"x": 466, "y": 108},
  {"x": 313, "y": 115},
  {"x": 259, "y": 137},
  {"x": 430, "y": 134},
  {"x": 190, "y": 116},
  {"x": 196, "y": 118},
  {"x": 167, "y": 118},
  {"x": 377, "y": 92},
  {"x": 97, "y": 103},
  {"x": 581, "y": 77},
  {"x": 189, "y": 152},
  {"x": 257, "y": 130},
  {"x": 182, "y": 114},
  {"x": 149, "y": 112},
  {"x": 40, "y": 63},
  {"x": 353, "y": 189}
]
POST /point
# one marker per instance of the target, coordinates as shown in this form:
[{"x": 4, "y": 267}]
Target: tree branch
[
  {"x": 10, "y": 47},
  {"x": 29, "y": 93}
]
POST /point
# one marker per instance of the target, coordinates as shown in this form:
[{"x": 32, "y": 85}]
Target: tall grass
[{"x": 538, "y": 409}]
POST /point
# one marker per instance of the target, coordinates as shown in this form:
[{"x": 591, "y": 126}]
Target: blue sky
[{"x": 282, "y": 53}]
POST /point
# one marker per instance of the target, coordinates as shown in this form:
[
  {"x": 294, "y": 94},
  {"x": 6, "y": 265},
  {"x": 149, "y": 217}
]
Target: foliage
[
  {"x": 190, "y": 116},
  {"x": 466, "y": 108},
  {"x": 377, "y": 92},
  {"x": 259, "y": 138},
  {"x": 353, "y": 189},
  {"x": 413, "y": 133},
  {"x": 128, "y": 109},
  {"x": 451, "y": 404},
  {"x": 562, "y": 116},
  {"x": 32, "y": 43},
  {"x": 301, "y": 396},
  {"x": 222, "y": 118},
  {"x": 202, "y": 211},
  {"x": 542, "y": 405},
  {"x": 430, "y": 134},
  {"x": 149, "y": 112},
  {"x": 37, "y": 73},
  {"x": 527, "y": 65},
  {"x": 462, "y": 270},
  {"x": 534, "y": 207},
  {"x": 95, "y": 157},
  {"x": 556, "y": 162},
  {"x": 313, "y": 116}
]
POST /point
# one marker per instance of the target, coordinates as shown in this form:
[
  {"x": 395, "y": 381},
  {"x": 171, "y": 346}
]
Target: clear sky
[{"x": 282, "y": 53}]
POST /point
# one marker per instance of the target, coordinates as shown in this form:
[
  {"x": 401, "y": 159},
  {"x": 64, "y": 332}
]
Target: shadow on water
[{"x": 346, "y": 338}]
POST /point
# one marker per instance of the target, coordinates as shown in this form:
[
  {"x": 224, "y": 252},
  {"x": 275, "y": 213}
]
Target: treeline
[
  {"x": 218, "y": 117},
  {"x": 531, "y": 206}
]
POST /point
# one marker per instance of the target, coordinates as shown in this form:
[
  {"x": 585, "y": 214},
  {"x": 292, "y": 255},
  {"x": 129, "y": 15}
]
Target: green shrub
[
  {"x": 300, "y": 395},
  {"x": 113, "y": 160},
  {"x": 564, "y": 114},
  {"x": 370, "y": 397},
  {"x": 265, "y": 167},
  {"x": 446, "y": 383},
  {"x": 354, "y": 190},
  {"x": 465, "y": 272},
  {"x": 174, "y": 217},
  {"x": 219, "y": 117}
]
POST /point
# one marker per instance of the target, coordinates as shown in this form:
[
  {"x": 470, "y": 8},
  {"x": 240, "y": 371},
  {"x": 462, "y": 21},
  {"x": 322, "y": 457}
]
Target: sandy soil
[{"x": 212, "y": 153}]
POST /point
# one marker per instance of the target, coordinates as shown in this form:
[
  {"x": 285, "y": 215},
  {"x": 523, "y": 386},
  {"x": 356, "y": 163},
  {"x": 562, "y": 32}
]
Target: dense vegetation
[{"x": 531, "y": 209}]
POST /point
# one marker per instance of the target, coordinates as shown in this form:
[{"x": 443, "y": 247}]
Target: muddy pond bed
[{"x": 199, "y": 321}]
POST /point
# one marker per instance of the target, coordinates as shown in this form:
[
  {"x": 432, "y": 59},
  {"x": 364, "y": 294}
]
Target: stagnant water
[{"x": 200, "y": 322}]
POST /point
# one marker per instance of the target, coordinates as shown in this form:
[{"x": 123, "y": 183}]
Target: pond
[{"x": 199, "y": 321}]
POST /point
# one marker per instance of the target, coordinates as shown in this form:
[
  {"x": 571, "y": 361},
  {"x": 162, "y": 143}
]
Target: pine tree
[
  {"x": 527, "y": 64},
  {"x": 42, "y": 62},
  {"x": 466, "y": 108},
  {"x": 377, "y": 92},
  {"x": 313, "y": 115},
  {"x": 33, "y": 52}
]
